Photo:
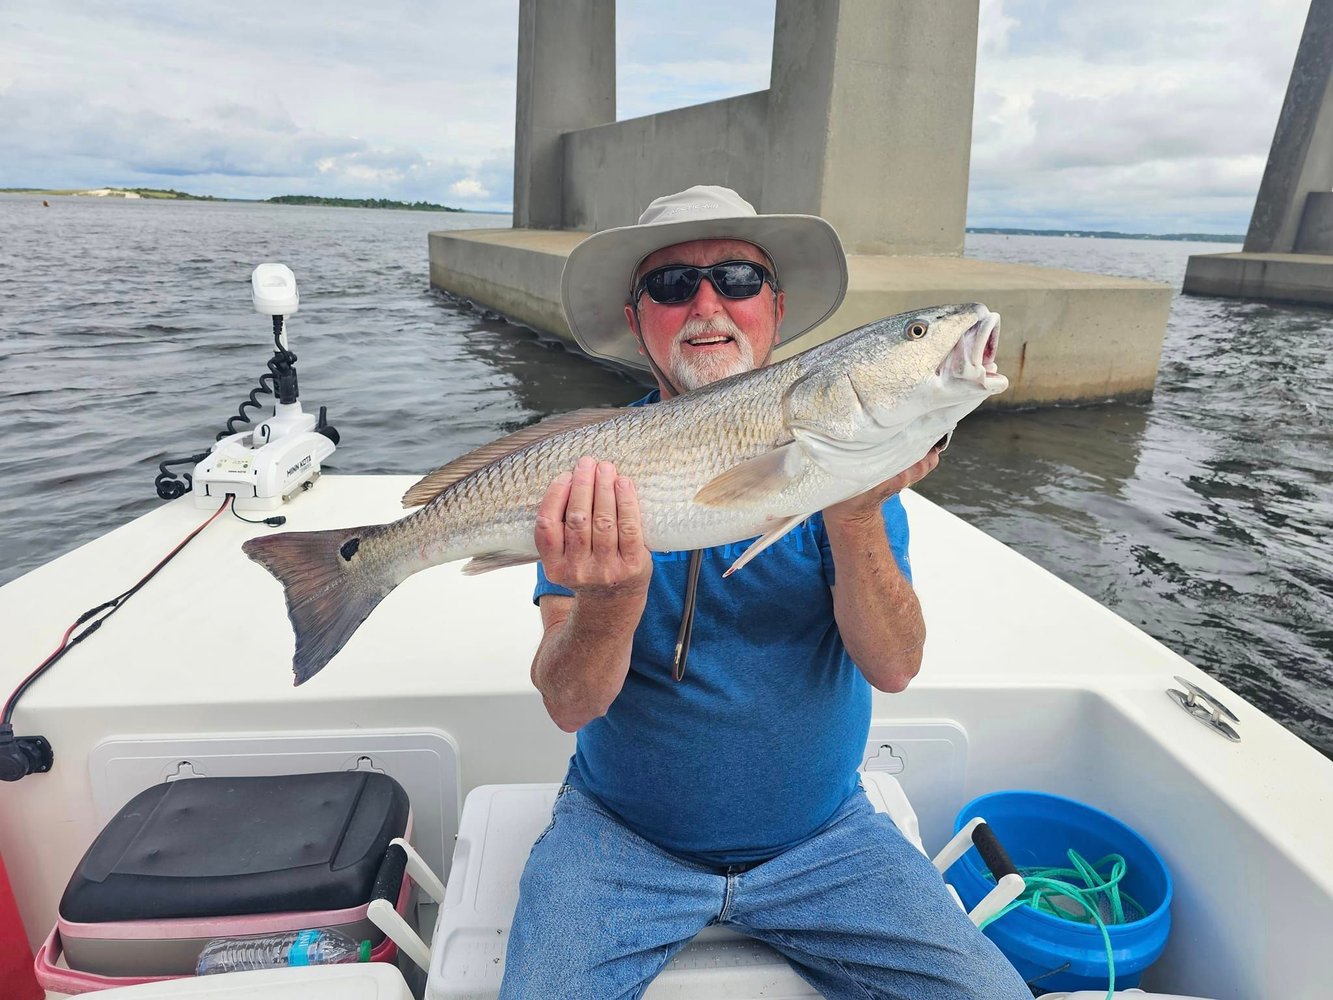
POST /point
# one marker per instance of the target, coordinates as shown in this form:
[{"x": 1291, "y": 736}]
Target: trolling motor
[
  {"x": 260, "y": 469},
  {"x": 265, "y": 467}
]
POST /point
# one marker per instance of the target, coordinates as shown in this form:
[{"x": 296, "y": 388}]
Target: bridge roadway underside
[{"x": 1066, "y": 337}]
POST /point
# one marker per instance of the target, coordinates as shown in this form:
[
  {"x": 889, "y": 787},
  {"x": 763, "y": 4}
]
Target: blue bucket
[{"x": 1038, "y": 830}]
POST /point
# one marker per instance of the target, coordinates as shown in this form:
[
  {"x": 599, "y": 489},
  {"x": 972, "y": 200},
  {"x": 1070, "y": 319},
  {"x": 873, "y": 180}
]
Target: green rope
[{"x": 1052, "y": 890}]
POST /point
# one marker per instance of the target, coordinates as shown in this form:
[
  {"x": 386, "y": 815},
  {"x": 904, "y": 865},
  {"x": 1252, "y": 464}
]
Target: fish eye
[{"x": 917, "y": 330}]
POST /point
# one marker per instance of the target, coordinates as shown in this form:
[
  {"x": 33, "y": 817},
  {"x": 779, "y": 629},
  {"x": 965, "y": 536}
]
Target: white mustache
[
  {"x": 696, "y": 372},
  {"x": 715, "y": 325}
]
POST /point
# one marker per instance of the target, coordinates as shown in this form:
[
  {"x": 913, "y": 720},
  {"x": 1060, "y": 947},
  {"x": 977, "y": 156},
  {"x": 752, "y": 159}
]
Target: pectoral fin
[
  {"x": 764, "y": 542},
  {"x": 488, "y": 561},
  {"x": 770, "y": 473}
]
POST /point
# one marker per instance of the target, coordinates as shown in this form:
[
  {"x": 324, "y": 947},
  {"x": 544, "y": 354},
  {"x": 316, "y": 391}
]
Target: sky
[{"x": 1138, "y": 115}]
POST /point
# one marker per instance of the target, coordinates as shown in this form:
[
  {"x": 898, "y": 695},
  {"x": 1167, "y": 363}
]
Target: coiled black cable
[
  {"x": 279, "y": 381},
  {"x": 168, "y": 486},
  {"x": 248, "y": 402}
]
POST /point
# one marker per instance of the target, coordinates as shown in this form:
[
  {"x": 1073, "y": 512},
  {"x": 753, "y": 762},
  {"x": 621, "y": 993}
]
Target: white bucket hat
[{"x": 805, "y": 250}]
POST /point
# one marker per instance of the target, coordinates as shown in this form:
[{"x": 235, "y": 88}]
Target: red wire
[{"x": 115, "y": 605}]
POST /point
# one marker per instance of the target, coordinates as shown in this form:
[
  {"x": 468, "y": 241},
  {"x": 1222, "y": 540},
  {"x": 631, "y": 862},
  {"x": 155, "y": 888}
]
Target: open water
[{"x": 126, "y": 336}]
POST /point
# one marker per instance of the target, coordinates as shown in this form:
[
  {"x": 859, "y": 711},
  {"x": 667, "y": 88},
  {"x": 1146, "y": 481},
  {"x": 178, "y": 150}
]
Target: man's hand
[
  {"x": 878, "y": 614},
  {"x": 590, "y": 540},
  {"x": 589, "y": 534},
  {"x": 866, "y": 505}
]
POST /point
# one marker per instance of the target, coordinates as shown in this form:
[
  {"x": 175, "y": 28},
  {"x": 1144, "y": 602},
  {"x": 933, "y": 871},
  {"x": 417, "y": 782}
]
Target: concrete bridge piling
[
  {"x": 1288, "y": 253},
  {"x": 867, "y": 122}
]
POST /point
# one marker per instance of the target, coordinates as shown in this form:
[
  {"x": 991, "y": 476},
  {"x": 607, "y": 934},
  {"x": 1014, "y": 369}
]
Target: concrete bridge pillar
[
  {"x": 1300, "y": 161},
  {"x": 566, "y": 82},
  {"x": 867, "y": 123},
  {"x": 1288, "y": 252},
  {"x": 870, "y": 120}
]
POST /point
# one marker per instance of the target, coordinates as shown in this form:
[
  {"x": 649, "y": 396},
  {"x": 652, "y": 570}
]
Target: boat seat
[{"x": 496, "y": 831}]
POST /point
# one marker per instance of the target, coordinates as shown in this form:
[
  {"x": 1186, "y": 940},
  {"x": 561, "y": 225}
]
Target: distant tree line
[
  {"x": 310, "y": 199},
  {"x": 169, "y": 193},
  {"x": 1110, "y": 234}
]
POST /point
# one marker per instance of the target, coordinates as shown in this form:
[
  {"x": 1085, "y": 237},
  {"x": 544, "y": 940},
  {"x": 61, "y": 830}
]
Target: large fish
[{"x": 753, "y": 454}]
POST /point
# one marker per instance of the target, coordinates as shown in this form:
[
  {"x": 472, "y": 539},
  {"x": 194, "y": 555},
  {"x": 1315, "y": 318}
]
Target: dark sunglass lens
[
  {"x": 669, "y": 285},
  {"x": 738, "y": 279}
]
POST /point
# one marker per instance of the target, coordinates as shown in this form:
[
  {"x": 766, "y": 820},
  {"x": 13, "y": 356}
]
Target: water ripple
[{"x": 127, "y": 335}]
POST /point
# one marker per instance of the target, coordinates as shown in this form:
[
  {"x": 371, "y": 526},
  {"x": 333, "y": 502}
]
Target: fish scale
[
  {"x": 667, "y": 450},
  {"x": 750, "y": 455}
]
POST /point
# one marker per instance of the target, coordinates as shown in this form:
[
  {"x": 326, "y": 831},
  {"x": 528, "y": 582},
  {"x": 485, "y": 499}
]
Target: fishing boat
[{"x": 1026, "y": 684}]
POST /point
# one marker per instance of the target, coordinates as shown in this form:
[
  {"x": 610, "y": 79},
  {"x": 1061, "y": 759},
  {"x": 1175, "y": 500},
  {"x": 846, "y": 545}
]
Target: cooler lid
[
  {"x": 373, "y": 981},
  {"x": 227, "y": 846}
]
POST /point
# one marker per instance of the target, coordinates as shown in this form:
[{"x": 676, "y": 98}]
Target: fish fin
[
  {"x": 488, "y": 561},
  {"x": 329, "y": 591},
  {"x": 764, "y": 541},
  {"x": 770, "y": 473},
  {"x": 430, "y": 486}
]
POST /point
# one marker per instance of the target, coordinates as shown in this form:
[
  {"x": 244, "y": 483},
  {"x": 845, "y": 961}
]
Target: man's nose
[{"x": 706, "y": 302}]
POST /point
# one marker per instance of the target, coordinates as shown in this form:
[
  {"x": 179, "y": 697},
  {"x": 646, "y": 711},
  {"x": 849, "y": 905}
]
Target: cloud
[
  {"x": 689, "y": 58},
  {"x": 250, "y": 100},
  {"x": 468, "y": 188},
  {"x": 1141, "y": 114}
]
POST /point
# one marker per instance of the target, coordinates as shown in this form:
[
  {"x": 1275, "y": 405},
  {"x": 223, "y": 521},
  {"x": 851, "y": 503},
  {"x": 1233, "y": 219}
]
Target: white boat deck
[{"x": 1026, "y": 683}]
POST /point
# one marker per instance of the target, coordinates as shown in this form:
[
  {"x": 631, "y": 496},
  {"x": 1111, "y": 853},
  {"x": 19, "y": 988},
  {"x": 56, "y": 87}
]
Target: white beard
[{"x": 692, "y": 373}]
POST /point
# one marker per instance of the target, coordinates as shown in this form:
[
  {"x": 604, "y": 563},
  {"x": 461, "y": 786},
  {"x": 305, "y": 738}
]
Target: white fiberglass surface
[{"x": 1249, "y": 919}]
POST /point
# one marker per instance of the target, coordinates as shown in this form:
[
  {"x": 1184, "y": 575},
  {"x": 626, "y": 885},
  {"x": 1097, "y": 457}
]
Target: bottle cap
[{"x": 363, "y": 953}]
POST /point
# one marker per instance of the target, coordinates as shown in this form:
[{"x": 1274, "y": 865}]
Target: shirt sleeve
[
  {"x": 895, "y": 526},
  {"x": 895, "y": 523},
  {"x": 545, "y": 586}
]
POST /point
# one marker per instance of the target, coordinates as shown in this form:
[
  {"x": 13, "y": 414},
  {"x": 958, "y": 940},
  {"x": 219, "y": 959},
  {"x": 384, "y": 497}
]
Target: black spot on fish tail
[{"x": 328, "y": 597}]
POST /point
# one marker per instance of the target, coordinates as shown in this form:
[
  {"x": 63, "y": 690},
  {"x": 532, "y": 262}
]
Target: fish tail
[{"x": 329, "y": 591}]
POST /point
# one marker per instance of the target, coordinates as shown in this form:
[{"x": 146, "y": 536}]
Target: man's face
[{"x": 710, "y": 336}]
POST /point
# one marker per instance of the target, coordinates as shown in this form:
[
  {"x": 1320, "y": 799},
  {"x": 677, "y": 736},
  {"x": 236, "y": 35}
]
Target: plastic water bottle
[{"x": 321, "y": 946}]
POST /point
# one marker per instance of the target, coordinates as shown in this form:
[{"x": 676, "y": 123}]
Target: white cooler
[
  {"x": 371, "y": 981},
  {"x": 498, "y": 827}
]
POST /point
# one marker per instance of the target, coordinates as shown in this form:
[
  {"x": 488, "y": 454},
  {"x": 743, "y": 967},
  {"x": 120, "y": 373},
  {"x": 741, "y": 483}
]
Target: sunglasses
[{"x": 676, "y": 283}]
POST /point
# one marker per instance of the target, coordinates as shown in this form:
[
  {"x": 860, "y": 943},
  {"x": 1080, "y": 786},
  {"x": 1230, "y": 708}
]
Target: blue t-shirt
[{"x": 756, "y": 748}]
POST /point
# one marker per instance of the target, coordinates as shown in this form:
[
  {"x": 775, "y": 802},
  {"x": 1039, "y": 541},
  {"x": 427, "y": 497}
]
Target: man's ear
[
  {"x": 632, "y": 318},
  {"x": 779, "y": 310}
]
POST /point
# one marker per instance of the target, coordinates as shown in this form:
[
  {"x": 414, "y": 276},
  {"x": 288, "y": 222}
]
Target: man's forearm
[
  {"x": 583, "y": 658},
  {"x": 878, "y": 614}
]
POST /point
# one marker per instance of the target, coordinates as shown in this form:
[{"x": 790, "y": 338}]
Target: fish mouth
[{"x": 972, "y": 358}]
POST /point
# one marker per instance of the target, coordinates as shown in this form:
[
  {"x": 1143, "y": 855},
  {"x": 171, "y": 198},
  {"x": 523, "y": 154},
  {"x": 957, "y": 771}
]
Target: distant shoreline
[
  {"x": 169, "y": 194},
  {"x": 1110, "y": 234},
  {"x": 310, "y": 199},
  {"x": 424, "y": 206}
]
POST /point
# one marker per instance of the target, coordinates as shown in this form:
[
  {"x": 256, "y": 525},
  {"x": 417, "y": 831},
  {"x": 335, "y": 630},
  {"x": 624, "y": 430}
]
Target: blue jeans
[{"x": 857, "y": 911}]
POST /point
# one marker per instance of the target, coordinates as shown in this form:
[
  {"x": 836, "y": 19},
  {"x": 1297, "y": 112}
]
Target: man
[{"x": 731, "y": 796}]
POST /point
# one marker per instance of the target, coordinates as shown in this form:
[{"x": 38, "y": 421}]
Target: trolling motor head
[
  {"x": 265, "y": 467},
  {"x": 273, "y": 292}
]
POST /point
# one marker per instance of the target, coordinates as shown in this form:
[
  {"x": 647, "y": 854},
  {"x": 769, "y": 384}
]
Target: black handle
[
  {"x": 992, "y": 852},
  {"x": 389, "y": 879}
]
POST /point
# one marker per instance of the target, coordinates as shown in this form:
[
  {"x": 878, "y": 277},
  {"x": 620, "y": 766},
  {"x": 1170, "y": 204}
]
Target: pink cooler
[{"x": 188, "y": 861}]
